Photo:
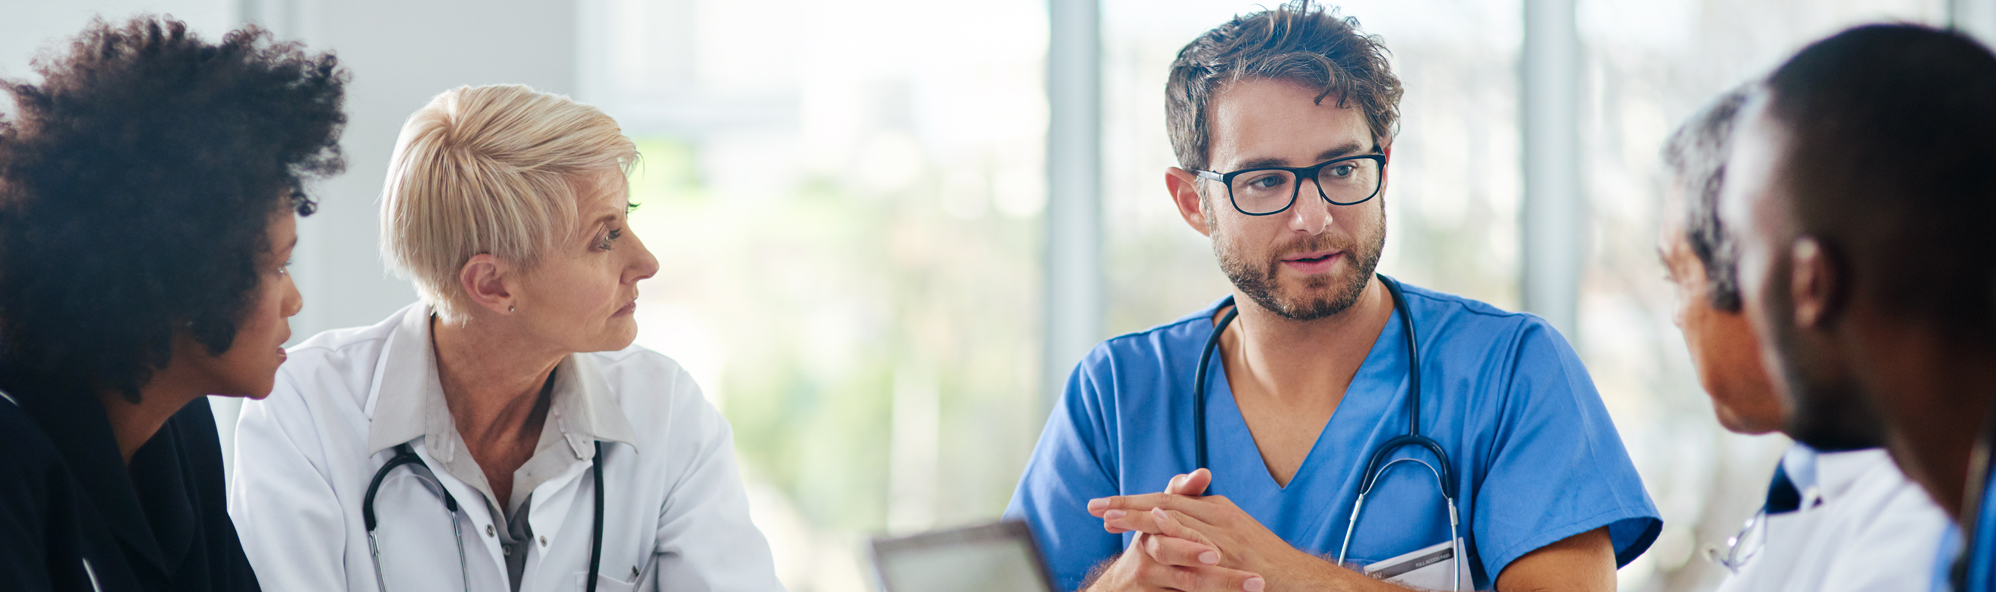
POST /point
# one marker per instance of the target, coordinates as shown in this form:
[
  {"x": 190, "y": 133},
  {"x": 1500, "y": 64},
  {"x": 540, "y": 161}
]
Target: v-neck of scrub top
[{"x": 1233, "y": 453}]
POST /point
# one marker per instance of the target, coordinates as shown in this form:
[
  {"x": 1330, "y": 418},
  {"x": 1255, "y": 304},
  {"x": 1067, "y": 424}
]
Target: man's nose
[{"x": 1310, "y": 213}]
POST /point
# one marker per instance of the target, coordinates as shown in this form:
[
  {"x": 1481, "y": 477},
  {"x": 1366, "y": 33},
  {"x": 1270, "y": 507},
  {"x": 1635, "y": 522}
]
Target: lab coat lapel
[
  {"x": 589, "y": 412},
  {"x": 549, "y": 515},
  {"x": 415, "y": 538},
  {"x": 399, "y": 379},
  {"x": 585, "y": 412}
]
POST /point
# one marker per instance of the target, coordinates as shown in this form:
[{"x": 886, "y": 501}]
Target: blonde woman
[{"x": 502, "y": 433}]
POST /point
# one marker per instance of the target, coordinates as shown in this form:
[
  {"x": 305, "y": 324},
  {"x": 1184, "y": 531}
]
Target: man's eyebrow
[
  {"x": 1259, "y": 163},
  {"x": 1341, "y": 151}
]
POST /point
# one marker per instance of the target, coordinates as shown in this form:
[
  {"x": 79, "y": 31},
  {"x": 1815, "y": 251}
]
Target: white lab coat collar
[
  {"x": 1872, "y": 529},
  {"x": 1835, "y": 473},
  {"x": 306, "y": 456},
  {"x": 406, "y": 400}
]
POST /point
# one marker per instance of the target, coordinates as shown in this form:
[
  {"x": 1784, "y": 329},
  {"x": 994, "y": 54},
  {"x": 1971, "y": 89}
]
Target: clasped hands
[{"x": 1196, "y": 543}]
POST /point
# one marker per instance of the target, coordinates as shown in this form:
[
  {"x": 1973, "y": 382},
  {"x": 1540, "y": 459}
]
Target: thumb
[{"x": 1193, "y": 483}]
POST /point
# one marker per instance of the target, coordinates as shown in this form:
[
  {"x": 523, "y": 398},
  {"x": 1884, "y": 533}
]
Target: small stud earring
[{"x": 509, "y": 309}]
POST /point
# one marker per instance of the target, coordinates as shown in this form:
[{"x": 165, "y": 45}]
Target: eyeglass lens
[{"x": 1272, "y": 190}]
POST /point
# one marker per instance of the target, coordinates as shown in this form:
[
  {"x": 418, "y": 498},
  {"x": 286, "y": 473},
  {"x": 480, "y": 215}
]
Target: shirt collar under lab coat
[
  {"x": 1807, "y": 478},
  {"x": 408, "y": 400}
]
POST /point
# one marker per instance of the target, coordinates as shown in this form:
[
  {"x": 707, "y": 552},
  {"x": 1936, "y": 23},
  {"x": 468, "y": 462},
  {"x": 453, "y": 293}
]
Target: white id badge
[{"x": 1425, "y": 569}]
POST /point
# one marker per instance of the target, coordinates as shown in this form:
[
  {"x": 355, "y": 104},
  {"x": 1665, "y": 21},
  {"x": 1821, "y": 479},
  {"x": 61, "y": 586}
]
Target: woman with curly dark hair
[{"x": 149, "y": 193}]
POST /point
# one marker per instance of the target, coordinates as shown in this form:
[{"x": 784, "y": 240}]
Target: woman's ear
[{"x": 484, "y": 280}]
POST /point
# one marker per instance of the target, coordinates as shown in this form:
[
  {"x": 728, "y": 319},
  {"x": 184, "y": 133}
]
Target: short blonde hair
[{"x": 489, "y": 169}]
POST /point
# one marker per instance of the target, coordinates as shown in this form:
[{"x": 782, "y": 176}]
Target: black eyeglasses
[{"x": 1269, "y": 190}]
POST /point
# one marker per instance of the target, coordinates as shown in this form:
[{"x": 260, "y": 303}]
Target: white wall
[
  {"x": 28, "y": 26},
  {"x": 400, "y": 53}
]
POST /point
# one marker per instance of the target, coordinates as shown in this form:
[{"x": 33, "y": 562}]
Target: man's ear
[
  {"x": 484, "y": 281},
  {"x": 1184, "y": 187},
  {"x": 1817, "y": 284},
  {"x": 1385, "y": 172}
]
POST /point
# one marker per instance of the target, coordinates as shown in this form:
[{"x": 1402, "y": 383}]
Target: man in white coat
[
  {"x": 503, "y": 433},
  {"x": 1834, "y": 520}
]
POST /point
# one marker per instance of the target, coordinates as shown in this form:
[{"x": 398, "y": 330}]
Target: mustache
[{"x": 1322, "y": 242}]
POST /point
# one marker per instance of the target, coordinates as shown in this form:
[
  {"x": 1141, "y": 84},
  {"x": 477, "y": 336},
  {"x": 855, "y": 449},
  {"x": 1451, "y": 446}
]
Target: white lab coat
[
  {"x": 1873, "y": 531},
  {"x": 675, "y": 509}
]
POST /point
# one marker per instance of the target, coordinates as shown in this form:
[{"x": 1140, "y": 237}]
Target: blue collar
[{"x": 1795, "y": 474}]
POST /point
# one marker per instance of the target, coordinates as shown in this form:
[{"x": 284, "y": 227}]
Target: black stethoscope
[
  {"x": 1444, "y": 475},
  {"x": 405, "y": 455}
]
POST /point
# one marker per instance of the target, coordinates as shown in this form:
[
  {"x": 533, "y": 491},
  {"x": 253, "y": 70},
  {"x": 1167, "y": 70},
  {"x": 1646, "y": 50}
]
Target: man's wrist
[
  {"x": 1088, "y": 583},
  {"x": 1302, "y": 571}
]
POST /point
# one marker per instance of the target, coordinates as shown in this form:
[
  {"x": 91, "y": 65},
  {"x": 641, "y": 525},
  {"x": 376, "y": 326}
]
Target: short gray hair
[{"x": 1696, "y": 155}]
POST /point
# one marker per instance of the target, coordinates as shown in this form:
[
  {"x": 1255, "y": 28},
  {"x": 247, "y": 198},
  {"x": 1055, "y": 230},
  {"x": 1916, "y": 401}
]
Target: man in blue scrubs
[
  {"x": 1282, "y": 121},
  {"x": 1862, "y": 192}
]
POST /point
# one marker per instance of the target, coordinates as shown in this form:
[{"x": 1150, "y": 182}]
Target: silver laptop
[{"x": 1000, "y": 557}]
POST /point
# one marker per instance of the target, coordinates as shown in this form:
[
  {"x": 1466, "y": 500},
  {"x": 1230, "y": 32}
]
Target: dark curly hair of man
[
  {"x": 137, "y": 183},
  {"x": 1298, "y": 41}
]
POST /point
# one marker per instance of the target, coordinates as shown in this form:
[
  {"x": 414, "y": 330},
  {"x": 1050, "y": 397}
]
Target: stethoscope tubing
[
  {"x": 1377, "y": 464},
  {"x": 405, "y": 455},
  {"x": 1199, "y": 382}
]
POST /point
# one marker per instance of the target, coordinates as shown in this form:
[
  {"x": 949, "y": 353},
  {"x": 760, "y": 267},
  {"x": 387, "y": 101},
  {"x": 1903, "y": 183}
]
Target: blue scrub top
[
  {"x": 1944, "y": 558},
  {"x": 1536, "y": 457},
  {"x": 1980, "y": 560}
]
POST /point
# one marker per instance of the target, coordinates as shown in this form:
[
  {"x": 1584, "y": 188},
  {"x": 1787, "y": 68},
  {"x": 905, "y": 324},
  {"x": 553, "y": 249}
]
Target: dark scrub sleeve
[
  {"x": 51, "y": 526},
  {"x": 199, "y": 450},
  {"x": 39, "y": 550}
]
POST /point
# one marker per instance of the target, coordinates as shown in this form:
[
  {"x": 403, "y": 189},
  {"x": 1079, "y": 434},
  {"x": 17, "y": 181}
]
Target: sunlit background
[{"x": 852, "y": 205}]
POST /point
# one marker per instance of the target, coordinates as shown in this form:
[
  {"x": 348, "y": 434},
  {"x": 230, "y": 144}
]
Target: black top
[{"x": 73, "y": 517}]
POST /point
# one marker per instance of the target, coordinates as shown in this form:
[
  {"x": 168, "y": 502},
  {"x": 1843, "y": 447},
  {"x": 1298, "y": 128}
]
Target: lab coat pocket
[
  {"x": 605, "y": 583},
  {"x": 641, "y": 580}
]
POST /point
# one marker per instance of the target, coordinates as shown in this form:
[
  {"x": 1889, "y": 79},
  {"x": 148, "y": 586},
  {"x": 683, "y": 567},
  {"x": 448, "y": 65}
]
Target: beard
[
  {"x": 1827, "y": 415},
  {"x": 1320, "y": 296}
]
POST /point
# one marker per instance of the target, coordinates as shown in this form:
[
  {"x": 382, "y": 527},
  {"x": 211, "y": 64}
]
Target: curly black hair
[{"x": 136, "y": 188}]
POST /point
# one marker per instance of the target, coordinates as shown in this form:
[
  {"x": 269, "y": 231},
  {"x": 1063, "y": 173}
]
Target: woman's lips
[{"x": 627, "y": 309}]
